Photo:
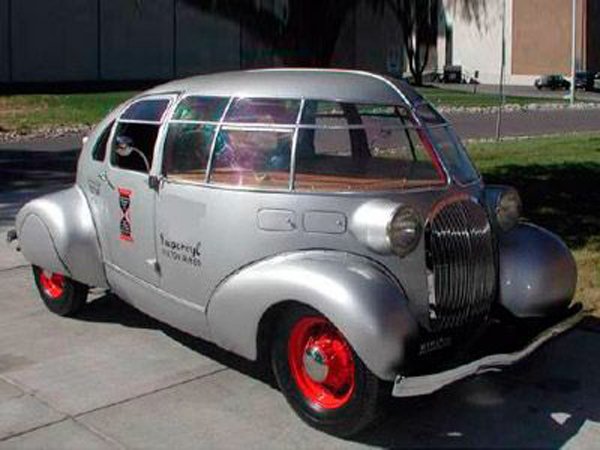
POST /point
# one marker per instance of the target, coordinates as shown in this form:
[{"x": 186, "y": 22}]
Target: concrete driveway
[{"x": 115, "y": 378}]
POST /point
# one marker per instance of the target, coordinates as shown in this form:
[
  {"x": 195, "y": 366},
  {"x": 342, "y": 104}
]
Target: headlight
[
  {"x": 508, "y": 209},
  {"x": 404, "y": 230}
]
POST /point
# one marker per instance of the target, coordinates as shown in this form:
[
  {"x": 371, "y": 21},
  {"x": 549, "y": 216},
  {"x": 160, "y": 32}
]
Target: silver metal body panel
[
  {"x": 428, "y": 384},
  {"x": 362, "y": 301},
  {"x": 340, "y": 85},
  {"x": 538, "y": 274},
  {"x": 57, "y": 232}
]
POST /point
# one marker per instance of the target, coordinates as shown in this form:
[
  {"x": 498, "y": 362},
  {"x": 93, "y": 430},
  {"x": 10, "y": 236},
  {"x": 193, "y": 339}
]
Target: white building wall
[{"x": 477, "y": 43}]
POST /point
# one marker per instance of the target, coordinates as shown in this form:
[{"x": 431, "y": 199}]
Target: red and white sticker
[{"x": 125, "y": 233}]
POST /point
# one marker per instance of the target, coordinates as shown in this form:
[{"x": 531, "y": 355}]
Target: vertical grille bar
[{"x": 462, "y": 262}]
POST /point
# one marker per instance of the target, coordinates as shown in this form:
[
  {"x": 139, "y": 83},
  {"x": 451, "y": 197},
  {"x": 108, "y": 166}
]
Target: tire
[
  {"x": 349, "y": 397},
  {"x": 61, "y": 295}
]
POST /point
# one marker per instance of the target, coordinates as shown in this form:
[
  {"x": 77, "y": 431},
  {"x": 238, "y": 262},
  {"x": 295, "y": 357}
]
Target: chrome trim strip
[{"x": 428, "y": 384}]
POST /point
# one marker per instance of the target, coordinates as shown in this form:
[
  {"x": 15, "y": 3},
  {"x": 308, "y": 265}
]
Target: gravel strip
[
  {"x": 43, "y": 133},
  {"x": 511, "y": 107}
]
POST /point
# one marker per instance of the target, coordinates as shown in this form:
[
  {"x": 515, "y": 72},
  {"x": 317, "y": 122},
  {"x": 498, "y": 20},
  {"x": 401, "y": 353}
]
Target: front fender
[
  {"x": 364, "y": 303},
  {"x": 57, "y": 232},
  {"x": 538, "y": 274}
]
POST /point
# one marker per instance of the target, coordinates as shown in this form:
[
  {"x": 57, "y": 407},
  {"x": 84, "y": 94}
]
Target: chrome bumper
[{"x": 427, "y": 384}]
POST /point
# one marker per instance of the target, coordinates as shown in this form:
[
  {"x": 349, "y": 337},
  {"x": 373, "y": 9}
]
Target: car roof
[{"x": 324, "y": 84}]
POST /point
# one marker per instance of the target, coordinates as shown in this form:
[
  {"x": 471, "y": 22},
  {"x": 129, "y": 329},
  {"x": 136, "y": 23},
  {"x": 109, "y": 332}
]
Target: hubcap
[
  {"x": 321, "y": 363},
  {"x": 315, "y": 364},
  {"x": 53, "y": 284}
]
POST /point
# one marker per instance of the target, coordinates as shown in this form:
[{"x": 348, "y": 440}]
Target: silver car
[{"x": 328, "y": 223}]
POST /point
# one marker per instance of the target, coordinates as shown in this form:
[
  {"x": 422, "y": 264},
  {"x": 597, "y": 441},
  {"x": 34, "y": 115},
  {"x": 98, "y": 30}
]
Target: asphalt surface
[
  {"x": 522, "y": 91},
  {"x": 115, "y": 378}
]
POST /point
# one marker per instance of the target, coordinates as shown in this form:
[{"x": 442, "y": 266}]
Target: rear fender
[
  {"x": 57, "y": 232},
  {"x": 357, "y": 296}
]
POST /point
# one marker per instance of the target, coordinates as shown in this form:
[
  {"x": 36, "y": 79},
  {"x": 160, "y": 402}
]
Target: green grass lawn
[
  {"x": 446, "y": 97},
  {"x": 29, "y": 112},
  {"x": 25, "y": 113},
  {"x": 559, "y": 181}
]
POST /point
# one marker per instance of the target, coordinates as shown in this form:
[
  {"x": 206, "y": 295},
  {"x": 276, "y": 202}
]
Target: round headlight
[
  {"x": 404, "y": 230},
  {"x": 508, "y": 209}
]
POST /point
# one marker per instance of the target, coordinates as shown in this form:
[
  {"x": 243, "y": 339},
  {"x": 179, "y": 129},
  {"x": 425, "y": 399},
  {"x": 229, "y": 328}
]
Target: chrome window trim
[
  {"x": 222, "y": 124},
  {"x": 292, "y": 180},
  {"x": 213, "y": 144}
]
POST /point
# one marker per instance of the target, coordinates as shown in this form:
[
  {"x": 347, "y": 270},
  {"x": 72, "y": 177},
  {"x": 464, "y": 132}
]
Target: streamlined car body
[{"x": 327, "y": 222}]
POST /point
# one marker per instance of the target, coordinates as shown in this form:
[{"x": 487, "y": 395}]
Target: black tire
[
  {"x": 67, "y": 301},
  {"x": 364, "y": 405}
]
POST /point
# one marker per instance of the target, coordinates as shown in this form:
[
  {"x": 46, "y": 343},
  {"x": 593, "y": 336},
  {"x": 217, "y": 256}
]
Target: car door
[
  {"x": 128, "y": 201},
  {"x": 182, "y": 201}
]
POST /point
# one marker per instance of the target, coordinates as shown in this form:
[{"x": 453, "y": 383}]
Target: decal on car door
[{"x": 125, "y": 221}]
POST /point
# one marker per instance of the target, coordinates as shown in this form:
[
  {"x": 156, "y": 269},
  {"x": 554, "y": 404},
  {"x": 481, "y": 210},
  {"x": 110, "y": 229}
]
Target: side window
[
  {"x": 253, "y": 158},
  {"x": 136, "y": 133},
  {"x": 356, "y": 147},
  {"x": 187, "y": 150},
  {"x": 190, "y": 136},
  {"x": 99, "y": 151}
]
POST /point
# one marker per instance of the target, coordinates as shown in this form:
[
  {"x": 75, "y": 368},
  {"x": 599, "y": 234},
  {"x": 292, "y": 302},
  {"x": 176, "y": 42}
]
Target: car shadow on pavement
[
  {"x": 542, "y": 402},
  {"x": 110, "y": 309},
  {"x": 25, "y": 175},
  {"x": 563, "y": 197}
]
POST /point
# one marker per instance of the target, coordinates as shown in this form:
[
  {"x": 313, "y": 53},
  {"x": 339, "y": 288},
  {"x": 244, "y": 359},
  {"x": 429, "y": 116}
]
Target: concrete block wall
[
  {"x": 136, "y": 39},
  {"x": 112, "y": 40},
  {"x": 205, "y": 43},
  {"x": 53, "y": 40},
  {"x": 4, "y": 42}
]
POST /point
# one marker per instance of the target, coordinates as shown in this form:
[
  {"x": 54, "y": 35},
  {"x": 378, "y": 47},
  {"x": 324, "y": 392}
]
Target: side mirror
[{"x": 124, "y": 145}]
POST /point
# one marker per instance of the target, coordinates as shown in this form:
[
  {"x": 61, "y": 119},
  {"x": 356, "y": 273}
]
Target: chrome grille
[{"x": 462, "y": 264}]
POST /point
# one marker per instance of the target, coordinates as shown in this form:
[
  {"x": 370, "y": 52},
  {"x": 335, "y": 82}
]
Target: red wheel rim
[
  {"x": 53, "y": 284},
  {"x": 321, "y": 363}
]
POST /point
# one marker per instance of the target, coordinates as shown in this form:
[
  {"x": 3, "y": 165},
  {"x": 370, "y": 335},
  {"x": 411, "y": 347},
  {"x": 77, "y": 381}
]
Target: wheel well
[{"x": 267, "y": 326}]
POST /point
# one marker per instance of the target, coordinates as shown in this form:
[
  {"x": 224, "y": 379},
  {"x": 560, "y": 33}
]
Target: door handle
[{"x": 104, "y": 177}]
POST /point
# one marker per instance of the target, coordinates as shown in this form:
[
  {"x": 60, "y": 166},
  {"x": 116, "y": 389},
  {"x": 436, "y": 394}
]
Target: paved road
[
  {"x": 115, "y": 378},
  {"x": 521, "y": 91},
  {"x": 526, "y": 123}
]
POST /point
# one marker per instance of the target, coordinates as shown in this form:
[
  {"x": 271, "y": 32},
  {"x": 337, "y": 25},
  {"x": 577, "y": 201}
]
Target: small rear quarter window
[{"x": 99, "y": 151}]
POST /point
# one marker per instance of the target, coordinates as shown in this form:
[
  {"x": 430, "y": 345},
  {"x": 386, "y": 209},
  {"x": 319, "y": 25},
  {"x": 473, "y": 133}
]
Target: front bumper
[{"x": 426, "y": 384}]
